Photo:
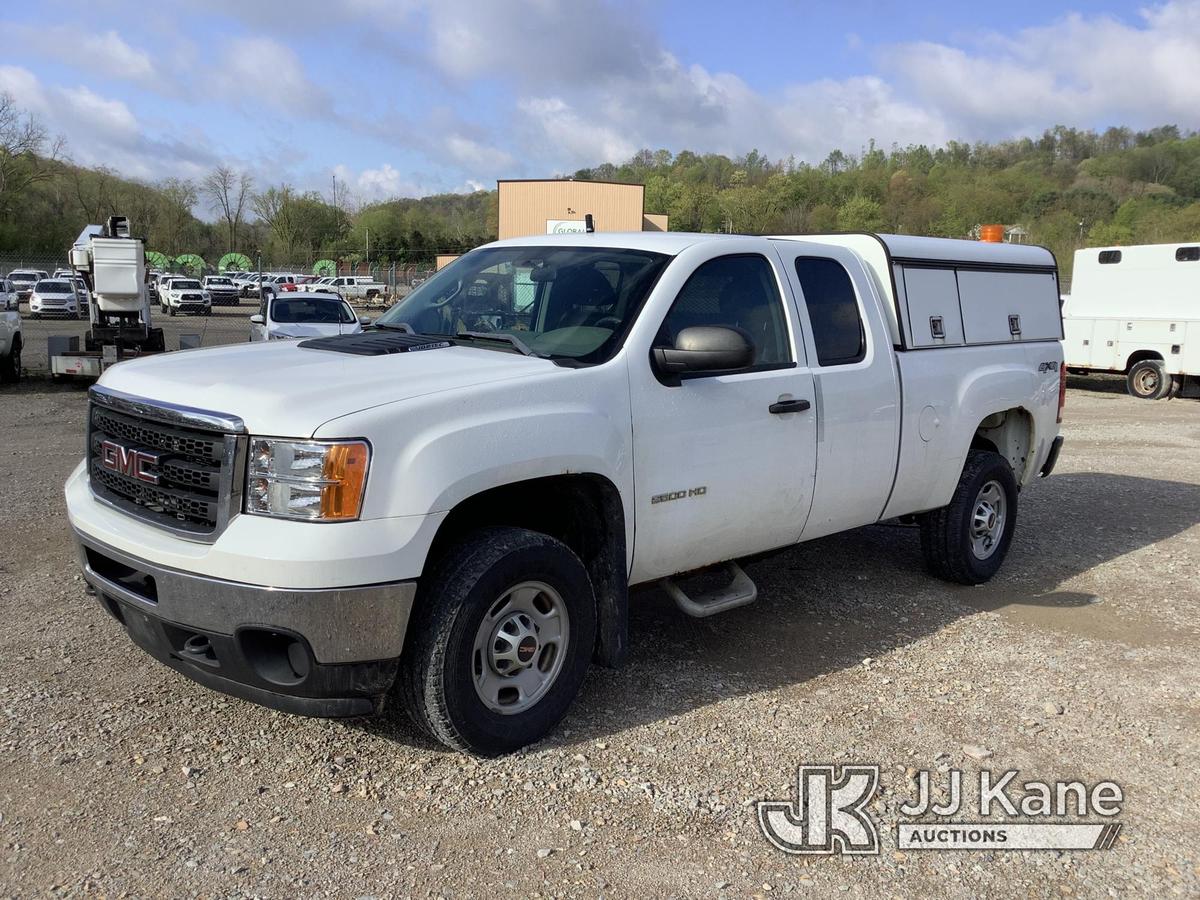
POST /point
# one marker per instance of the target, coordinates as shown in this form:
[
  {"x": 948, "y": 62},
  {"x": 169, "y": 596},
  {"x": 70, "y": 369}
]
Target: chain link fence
[{"x": 225, "y": 325}]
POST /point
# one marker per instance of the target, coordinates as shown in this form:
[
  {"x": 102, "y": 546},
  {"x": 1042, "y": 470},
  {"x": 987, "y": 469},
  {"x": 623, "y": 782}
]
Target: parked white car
[
  {"x": 449, "y": 509},
  {"x": 55, "y": 297},
  {"x": 184, "y": 295},
  {"x": 10, "y": 332},
  {"x": 288, "y": 316}
]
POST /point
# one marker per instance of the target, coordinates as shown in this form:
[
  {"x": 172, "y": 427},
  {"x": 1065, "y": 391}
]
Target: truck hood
[
  {"x": 279, "y": 388},
  {"x": 313, "y": 329}
]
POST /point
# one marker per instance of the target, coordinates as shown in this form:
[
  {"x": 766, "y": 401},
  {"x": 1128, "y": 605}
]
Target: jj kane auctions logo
[{"x": 830, "y": 814}]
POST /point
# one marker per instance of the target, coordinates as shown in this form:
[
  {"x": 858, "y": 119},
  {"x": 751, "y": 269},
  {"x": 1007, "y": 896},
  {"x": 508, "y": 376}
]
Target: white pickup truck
[
  {"x": 449, "y": 508},
  {"x": 355, "y": 287}
]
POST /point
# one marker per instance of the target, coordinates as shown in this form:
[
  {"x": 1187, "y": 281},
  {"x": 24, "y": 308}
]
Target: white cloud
[
  {"x": 1083, "y": 71},
  {"x": 475, "y": 156},
  {"x": 101, "y": 52},
  {"x": 102, "y": 131},
  {"x": 455, "y": 93},
  {"x": 383, "y": 182},
  {"x": 262, "y": 70}
]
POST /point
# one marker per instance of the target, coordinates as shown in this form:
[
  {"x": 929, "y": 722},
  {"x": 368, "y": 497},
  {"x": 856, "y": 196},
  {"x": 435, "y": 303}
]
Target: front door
[{"x": 724, "y": 463}]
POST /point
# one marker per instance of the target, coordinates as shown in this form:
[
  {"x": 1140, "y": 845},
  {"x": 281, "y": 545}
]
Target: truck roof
[{"x": 898, "y": 245}]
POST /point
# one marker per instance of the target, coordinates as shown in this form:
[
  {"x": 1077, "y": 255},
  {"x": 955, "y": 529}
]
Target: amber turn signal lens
[{"x": 345, "y": 473}]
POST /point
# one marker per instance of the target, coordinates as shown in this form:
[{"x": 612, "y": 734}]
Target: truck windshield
[
  {"x": 562, "y": 302},
  {"x": 184, "y": 284}
]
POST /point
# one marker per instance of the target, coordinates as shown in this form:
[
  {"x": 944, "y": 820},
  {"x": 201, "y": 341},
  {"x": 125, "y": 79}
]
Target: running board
[{"x": 739, "y": 592}]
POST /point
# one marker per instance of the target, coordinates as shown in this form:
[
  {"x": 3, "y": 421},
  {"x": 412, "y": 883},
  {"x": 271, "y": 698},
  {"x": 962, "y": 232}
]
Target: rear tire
[
  {"x": 1148, "y": 380},
  {"x": 966, "y": 540},
  {"x": 503, "y": 633}
]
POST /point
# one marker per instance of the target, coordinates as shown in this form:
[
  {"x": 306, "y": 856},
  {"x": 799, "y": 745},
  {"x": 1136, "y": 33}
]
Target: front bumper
[
  {"x": 315, "y": 652},
  {"x": 54, "y": 310}
]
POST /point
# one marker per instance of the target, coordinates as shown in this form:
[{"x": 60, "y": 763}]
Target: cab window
[
  {"x": 735, "y": 292},
  {"x": 837, "y": 327}
]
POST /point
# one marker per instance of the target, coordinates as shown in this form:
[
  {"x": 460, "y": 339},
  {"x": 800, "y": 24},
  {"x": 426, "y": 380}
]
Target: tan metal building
[{"x": 557, "y": 206}]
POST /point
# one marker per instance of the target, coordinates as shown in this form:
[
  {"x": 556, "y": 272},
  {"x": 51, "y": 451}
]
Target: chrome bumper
[{"x": 342, "y": 625}]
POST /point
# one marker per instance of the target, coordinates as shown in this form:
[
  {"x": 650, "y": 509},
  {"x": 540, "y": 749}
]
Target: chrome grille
[{"x": 197, "y": 468}]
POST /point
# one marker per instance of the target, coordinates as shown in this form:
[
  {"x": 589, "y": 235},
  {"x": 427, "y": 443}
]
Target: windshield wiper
[
  {"x": 516, "y": 342},
  {"x": 402, "y": 327}
]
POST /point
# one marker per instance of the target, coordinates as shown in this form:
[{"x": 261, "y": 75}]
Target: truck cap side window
[
  {"x": 837, "y": 326},
  {"x": 734, "y": 292}
]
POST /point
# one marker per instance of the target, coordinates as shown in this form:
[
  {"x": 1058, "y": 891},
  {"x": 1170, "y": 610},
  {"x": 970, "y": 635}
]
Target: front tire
[
  {"x": 505, "y": 630},
  {"x": 966, "y": 540},
  {"x": 1148, "y": 380}
]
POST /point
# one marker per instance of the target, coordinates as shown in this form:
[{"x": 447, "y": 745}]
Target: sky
[{"x": 402, "y": 98}]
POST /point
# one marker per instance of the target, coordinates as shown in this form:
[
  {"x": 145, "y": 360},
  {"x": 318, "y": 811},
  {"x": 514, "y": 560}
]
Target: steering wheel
[
  {"x": 612, "y": 323},
  {"x": 438, "y": 304}
]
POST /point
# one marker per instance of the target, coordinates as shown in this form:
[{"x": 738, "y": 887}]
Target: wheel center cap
[{"x": 527, "y": 648}]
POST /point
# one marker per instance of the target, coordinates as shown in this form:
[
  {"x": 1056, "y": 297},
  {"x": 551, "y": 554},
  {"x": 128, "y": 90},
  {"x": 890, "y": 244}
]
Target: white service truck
[
  {"x": 449, "y": 509},
  {"x": 1130, "y": 311}
]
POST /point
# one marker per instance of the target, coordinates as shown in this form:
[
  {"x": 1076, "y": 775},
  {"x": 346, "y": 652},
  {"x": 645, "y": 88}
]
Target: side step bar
[{"x": 739, "y": 592}]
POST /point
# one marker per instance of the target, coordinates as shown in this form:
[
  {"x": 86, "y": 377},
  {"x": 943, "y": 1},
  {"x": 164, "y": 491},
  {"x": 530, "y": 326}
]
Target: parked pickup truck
[
  {"x": 449, "y": 508},
  {"x": 355, "y": 287},
  {"x": 184, "y": 295},
  {"x": 222, "y": 290}
]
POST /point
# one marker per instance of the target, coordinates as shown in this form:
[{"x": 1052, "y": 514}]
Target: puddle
[{"x": 1080, "y": 615}]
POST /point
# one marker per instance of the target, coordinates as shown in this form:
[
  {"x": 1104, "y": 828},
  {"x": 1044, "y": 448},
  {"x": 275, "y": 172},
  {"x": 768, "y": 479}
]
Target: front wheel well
[{"x": 583, "y": 511}]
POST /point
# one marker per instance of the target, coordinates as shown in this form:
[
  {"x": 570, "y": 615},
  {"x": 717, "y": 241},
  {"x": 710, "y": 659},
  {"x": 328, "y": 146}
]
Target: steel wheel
[
  {"x": 988, "y": 520},
  {"x": 1148, "y": 381},
  {"x": 519, "y": 647}
]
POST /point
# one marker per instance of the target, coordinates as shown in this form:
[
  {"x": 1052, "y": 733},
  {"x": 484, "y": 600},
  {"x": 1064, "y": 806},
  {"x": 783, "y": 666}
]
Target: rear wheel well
[
  {"x": 1138, "y": 356},
  {"x": 585, "y": 513},
  {"x": 1009, "y": 433}
]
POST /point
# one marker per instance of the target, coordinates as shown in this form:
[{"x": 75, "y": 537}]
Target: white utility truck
[
  {"x": 450, "y": 507},
  {"x": 1130, "y": 310},
  {"x": 112, "y": 267}
]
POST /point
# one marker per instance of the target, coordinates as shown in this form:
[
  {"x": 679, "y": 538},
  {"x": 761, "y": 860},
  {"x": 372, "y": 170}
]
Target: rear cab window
[{"x": 833, "y": 311}]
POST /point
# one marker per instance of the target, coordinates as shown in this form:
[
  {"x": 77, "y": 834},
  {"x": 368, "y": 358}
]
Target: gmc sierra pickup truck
[{"x": 449, "y": 509}]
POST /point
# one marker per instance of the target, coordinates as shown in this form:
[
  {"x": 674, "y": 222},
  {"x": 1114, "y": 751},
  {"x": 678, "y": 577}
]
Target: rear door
[{"x": 855, "y": 385}]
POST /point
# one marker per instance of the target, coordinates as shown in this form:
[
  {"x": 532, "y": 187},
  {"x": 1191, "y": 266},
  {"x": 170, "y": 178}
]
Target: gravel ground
[{"x": 120, "y": 777}]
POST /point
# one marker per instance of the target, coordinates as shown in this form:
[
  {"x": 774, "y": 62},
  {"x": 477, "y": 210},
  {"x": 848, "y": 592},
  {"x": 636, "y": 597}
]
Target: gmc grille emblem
[{"x": 128, "y": 461}]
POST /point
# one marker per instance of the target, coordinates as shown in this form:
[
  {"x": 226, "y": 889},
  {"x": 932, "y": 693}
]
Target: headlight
[{"x": 311, "y": 480}]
